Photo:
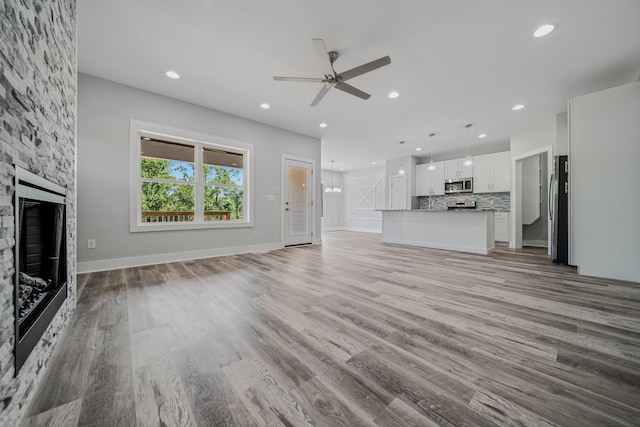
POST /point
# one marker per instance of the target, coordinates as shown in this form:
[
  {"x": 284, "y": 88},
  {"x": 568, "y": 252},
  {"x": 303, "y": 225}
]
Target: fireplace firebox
[{"x": 40, "y": 283}]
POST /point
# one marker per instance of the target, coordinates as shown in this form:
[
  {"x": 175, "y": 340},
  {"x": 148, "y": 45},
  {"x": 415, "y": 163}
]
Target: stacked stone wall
[{"x": 38, "y": 84}]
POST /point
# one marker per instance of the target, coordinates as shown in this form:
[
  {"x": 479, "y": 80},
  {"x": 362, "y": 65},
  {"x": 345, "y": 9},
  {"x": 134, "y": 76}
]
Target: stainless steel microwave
[{"x": 464, "y": 185}]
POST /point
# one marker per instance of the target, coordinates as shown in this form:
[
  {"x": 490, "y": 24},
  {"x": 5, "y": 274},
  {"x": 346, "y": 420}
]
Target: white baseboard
[
  {"x": 360, "y": 229},
  {"x": 364, "y": 230},
  {"x": 138, "y": 261},
  {"x": 333, "y": 228},
  {"x": 536, "y": 243}
]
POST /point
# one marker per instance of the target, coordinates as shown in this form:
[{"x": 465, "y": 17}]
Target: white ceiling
[{"x": 453, "y": 62}]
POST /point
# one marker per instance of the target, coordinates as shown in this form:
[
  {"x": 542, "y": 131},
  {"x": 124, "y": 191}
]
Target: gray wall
[
  {"x": 104, "y": 112},
  {"x": 603, "y": 166},
  {"x": 38, "y": 117}
]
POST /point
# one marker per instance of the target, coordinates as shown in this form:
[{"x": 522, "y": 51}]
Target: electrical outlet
[
  {"x": 91, "y": 244},
  {"x": 255, "y": 232}
]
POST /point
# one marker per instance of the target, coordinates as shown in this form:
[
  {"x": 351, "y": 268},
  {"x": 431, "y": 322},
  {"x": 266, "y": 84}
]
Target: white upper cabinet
[
  {"x": 456, "y": 169},
  {"x": 437, "y": 179},
  {"x": 492, "y": 173},
  {"x": 482, "y": 173},
  {"x": 430, "y": 181},
  {"x": 423, "y": 180}
]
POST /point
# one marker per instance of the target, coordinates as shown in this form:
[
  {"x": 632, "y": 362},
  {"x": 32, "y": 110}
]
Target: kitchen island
[{"x": 460, "y": 230}]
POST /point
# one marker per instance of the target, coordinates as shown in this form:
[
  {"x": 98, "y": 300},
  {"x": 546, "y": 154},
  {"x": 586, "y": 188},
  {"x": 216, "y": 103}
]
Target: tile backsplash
[{"x": 501, "y": 202}]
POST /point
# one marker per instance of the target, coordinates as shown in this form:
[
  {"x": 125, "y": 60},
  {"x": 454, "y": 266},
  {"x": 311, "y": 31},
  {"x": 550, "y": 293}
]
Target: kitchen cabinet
[
  {"x": 455, "y": 169},
  {"x": 430, "y": 181},
  {"x": 501, "y": 226},
  {"x": 492, "y": 172}
]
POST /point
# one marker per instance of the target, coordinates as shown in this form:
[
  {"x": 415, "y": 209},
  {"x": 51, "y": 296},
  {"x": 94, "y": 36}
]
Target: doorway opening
[{"x": 530, "y": 202}]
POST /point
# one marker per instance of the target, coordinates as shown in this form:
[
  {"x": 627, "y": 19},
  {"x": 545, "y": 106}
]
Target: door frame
[
  {"x": 315, "y": 181},
  {"x": 515, "y": 238}
]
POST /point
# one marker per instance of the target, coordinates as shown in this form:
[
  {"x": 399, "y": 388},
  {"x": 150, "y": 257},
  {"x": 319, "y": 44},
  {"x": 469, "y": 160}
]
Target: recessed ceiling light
[
  {"x": 394, "y": 94},
  {"x": 323, "y": 125},
  {"x": 418, "y": 149},
  {"x": 341, "y": 169},
  {"x": 373, "y": 163},
  {"x": 265, "y": 106},
  {"x": 518, "y": 107},
  {"x": 544, "y": 30},
  {"x": 172, "y": 74},
  {"x": 482, "y": 135}
]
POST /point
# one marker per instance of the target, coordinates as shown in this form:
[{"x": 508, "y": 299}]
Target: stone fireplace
[
  {"x": 40, "y": 255},
  {"x": 38, "y": 92}
]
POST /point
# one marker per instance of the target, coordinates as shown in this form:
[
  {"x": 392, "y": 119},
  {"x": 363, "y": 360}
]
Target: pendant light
[
  {"x": 468, "y": 160},
  {"x": 332, "y": 189},
  {"x": 401, "y": 171},
  {"x": 432, "y": 166}
]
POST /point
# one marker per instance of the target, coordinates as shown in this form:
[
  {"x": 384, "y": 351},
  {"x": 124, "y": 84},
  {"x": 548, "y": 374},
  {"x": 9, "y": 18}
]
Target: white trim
[
  {"x": 138, "y": 128},
  {"x": 138, "y": 261}
]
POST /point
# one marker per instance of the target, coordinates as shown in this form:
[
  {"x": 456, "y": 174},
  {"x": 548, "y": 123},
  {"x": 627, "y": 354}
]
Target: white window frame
[{"x": 139, "y": 129}]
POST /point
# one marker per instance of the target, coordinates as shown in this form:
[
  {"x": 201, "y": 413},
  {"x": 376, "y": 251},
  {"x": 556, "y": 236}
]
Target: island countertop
[{"x": 468, "y": 230}]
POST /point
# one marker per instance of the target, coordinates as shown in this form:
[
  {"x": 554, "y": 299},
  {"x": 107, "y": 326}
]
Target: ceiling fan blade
[
  {"x": 320, "y": 95},
  {"x": 345, "y": 87},
  {"x": 354, "y": 72},
  {"x": 299, "y": 79},
  {"x": 323, "y": 57}
]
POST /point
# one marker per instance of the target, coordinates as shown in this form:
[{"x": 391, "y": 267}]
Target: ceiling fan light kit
[{"x": 332, "y": 79}]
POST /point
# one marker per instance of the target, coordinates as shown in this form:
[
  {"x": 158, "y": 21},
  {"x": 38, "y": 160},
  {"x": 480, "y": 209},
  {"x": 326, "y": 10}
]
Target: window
[{"x": 180, "y": 182}]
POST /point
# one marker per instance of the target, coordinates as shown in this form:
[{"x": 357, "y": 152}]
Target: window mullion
[{"x": 199, "y": 202}]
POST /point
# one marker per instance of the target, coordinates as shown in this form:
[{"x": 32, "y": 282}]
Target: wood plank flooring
[{"x": 350, "y": 333}]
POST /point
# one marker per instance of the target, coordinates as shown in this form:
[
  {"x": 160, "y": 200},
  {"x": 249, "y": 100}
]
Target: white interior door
[
  {"x": 298, "y": 205},
  {"x": 398, "y": 191}
]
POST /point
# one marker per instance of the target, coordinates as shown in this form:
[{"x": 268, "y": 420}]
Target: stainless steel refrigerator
[{"x": 559, "y": 210}]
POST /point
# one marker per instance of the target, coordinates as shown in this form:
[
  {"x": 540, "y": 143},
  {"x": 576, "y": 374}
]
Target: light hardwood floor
[{"x": 350, "y": 333}]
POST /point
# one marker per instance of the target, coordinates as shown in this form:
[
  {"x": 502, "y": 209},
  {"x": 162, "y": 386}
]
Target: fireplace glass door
[{"x": 40, "y": 284}]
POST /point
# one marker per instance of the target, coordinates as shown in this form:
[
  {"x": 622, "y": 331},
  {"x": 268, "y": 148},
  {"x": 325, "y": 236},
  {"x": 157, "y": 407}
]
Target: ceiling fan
[{"x": 333, "y": 79}]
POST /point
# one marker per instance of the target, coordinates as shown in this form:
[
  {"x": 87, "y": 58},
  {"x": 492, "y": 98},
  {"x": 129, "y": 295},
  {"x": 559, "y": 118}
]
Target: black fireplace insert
[{"x": 40, "y": 283}]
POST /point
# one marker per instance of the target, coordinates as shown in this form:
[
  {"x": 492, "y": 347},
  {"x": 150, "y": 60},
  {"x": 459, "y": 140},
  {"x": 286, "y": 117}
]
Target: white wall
[
  {"x": 604, "y": 175},
  {"x": 332, "y": 219},
  {"x": 363, "y": 194},
  {"x": 104, "y": 111},
  {"x": 538, "y": 136}
]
